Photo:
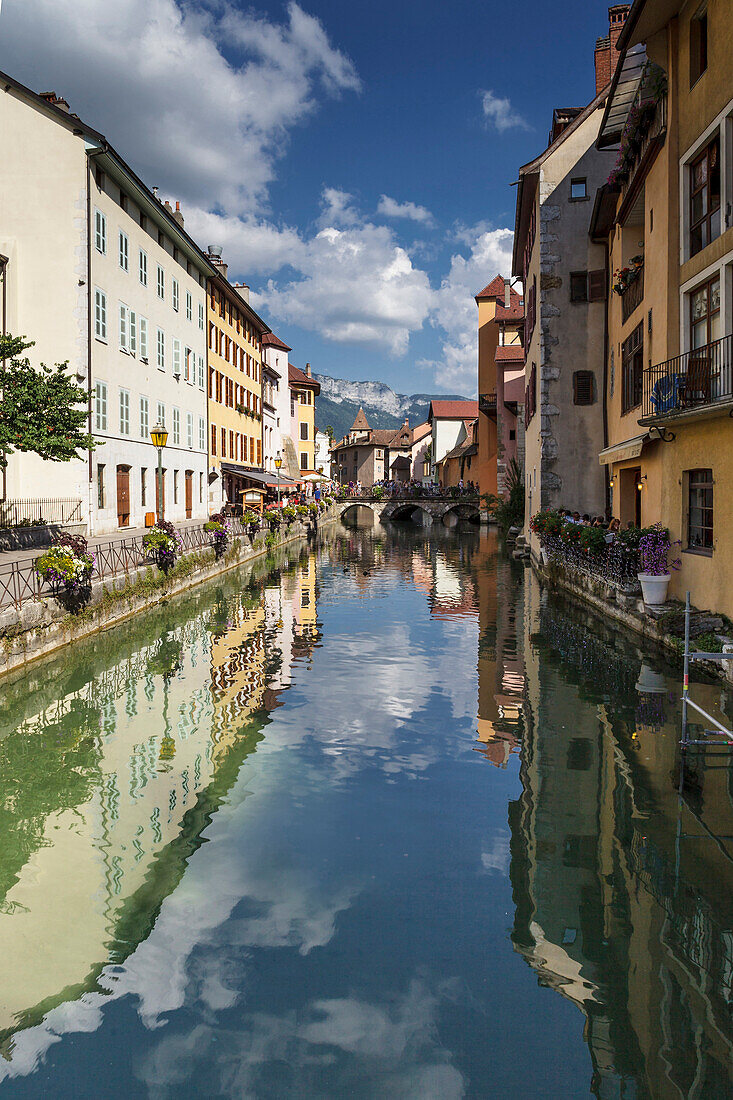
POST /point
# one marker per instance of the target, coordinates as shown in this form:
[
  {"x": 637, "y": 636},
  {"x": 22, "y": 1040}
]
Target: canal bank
[
  {"x": 39, "y": 626},
  {"x": 311, "y": 830}
]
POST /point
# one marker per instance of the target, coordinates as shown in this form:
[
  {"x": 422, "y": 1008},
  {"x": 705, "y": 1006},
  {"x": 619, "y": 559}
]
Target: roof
[
  {"x": 529, "y": 174},
  {"x": 645, "y": 19},
  {"x": 402, "y": 462},
  {"x": 461, "y": 450},
  {"x": 420, "y": 431},
  {"x": 274, "y": 341},
  {"x": 495, "y": 289},
  {"x": 299, "y": 378},
  {"x": 382, "y": 437},
  {"x": 361, "y": 424},
  {"x": 99, "y": 150},
  {"x": 515, "y": 311},
  {"x": 510, "y": 353},
  {"x": 453, "y": 410}
]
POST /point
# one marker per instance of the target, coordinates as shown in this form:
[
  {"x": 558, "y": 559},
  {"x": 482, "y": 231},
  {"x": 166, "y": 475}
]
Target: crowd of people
[
  {"x": 407, "y": 489},
  {"x": 611, "y": 525}
]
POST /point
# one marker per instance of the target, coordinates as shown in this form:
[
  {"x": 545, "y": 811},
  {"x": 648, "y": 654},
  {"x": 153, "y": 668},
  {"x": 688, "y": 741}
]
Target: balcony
[
  {"x": 701, "y": 379},
  {"x": 487, "y": 403},
  {"x": 632, "y": 296}
]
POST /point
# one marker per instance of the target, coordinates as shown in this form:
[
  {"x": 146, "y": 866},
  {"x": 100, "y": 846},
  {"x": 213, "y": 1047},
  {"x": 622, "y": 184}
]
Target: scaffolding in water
[{"x": 719, "y": 736}]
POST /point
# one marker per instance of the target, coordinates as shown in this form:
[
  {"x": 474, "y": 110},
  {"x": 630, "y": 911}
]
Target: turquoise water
[{"x": 385, "y": 821}]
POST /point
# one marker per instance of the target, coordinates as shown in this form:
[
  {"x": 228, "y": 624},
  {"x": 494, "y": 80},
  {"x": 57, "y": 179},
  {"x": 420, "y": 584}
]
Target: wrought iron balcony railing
[
  {"x": 699, "y": 378},
  {"x": 632, "y": 296},
  {"x": 487, "y": 403}
]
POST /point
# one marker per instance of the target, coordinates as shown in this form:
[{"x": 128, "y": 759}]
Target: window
[
  {"x": 123, "y": 327},
  {"x": 124, "y": 252},
  {"x": 698, "y": 46},
  {"x": 132, "y": 331},
  {"x": 176, "y": 427},
  {"x": 578, "y": 189},
  {"x": 583, "y": 387},
  {"x": 201, "y": 316},
  {"x": 189, "y": 430},
  {"x": 705, "y": 313},
  {"x": 161, "y": 349},
  {"x": 144, "y": 339},
  {"x": 124, "y": 412},
  {"x": 597, "y": 286},
  {"x": 213, "y": 439},
  {"x": 530, "y": 395},
  {"x": 175, "y": 486},
  {"x": 100, "y": 406},
  {"x": 202, "y": 373},
  {"x": 144, "y": 422},
  {"x": 161, "y": 413},
  {"x": 100, "y": 487},
  {"x": 176, "y": 295},
  {"x": 100, "y": 234},
  {"x": 705, "y": 198},
  {"x": 632, "y": 366},
  {"x": 202, "y": 433},
  {"x": 189, "y": 365},
  {"x": 700, "y": 510},
  {"x": 578, "y": 286},
  {"x": 177, "y": 358},
  {"x": 189, "y": 306},
  {"x": 161, "y": 282},
  {"x": 143, "y": 486},
  {"x": 100, "y": 314},
  {"x": 223, "y": 438},
  {"x": 303, "y": 431},
  {"x": 303, "y": 460},
  {"x": 143, "y": 267}
]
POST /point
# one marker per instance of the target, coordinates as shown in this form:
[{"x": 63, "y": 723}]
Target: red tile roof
[
  {"x": 453, "y": 410},
  {"x": 510, "y": 353},
  {"x": 275, "y": 341},
  {"x": 515, "y": 311},
  {"x": 495, "y": 289},
  {"x": 301, "y": 379}
]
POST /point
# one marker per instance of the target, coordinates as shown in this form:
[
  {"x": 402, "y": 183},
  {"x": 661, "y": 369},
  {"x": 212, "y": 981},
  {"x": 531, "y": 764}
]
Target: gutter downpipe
[
  {"x": 606, "y": 349},
  {"x": 4, "y": 261},
  {"x": 90, "y": 469}
]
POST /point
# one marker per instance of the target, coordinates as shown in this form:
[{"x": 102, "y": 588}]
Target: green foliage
[
  {"x": 43, "y": 409},
  {"x": 270, "y": 539},
  {"x": 508, "y": 511},
  {"x": 708, "y": 643},
  {"x": 592, "y": 539}
]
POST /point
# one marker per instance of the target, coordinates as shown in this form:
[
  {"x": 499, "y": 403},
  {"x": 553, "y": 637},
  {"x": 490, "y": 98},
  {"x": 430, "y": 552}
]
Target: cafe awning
[
  {"x": 260, "y": 477},
  {"x": 630, "y": 448}
]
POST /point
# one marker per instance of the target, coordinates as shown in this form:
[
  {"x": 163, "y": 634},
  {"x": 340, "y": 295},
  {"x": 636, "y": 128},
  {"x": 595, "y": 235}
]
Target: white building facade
[
  {"x": 102, "y": 274},
  {"x": 280, "y": 442},
  {"x": 446, "y": 419}
]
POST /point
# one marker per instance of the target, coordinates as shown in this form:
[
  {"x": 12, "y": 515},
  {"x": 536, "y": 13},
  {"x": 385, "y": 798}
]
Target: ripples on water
[{"x": 385, "y": 822}]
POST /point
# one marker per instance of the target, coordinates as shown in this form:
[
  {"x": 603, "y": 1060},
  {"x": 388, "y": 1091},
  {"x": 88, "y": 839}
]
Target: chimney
[
  {"x": 56, "y": 101},
  {"x": 606, "y": 54},
  {"x": 507, "y": 293},
  {"x": 178, "y": 215},
  {"x": 308, "y": 370},
  {"x": 168, "y": 207},
  {"x": 214, "y": 257},
  {"x": 243, "y": 291}
]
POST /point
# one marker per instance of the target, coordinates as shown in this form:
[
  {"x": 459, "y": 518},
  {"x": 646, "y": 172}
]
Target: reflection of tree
[
  {"x": 166, "y": 660},
  {"x": 42, "y": 774}
]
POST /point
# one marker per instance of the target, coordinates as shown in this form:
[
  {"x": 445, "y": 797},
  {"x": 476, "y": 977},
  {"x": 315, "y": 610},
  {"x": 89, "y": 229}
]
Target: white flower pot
[{"x": 654, "y": 589}]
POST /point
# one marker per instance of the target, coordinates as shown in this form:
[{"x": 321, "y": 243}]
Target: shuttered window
[{"x": 583, "y": 387}]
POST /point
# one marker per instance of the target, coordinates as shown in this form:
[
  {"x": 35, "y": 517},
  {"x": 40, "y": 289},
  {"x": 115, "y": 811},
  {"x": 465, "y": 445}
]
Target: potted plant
[
  {"x": 219, "y": 530},
  {"x": 655, "y": 575},
  {"x": 68, "y": 564},
  {"x": 163, "y": 543}
]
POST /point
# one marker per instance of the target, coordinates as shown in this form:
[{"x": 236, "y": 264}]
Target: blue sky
[{"x": 354, "y": 161}]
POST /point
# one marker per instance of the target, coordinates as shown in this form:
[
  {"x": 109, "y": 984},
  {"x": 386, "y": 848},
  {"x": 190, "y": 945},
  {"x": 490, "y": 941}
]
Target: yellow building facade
[
  {"x": 234, "y": 390},
  {"x": 665, "y": 218},
  {"x": 303, "y": 392}
]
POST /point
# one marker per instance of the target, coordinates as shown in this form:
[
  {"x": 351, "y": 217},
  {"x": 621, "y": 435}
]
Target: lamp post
[
  {"x": 278, "y": 466},
  {"x": 159, "y": 436}
]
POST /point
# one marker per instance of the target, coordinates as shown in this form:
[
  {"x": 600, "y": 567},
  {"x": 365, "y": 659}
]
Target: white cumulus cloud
[
  {"x": 152, "y": 75},
  {"x": 391, "y": 208},
  {"x": 500, "y": 113}
]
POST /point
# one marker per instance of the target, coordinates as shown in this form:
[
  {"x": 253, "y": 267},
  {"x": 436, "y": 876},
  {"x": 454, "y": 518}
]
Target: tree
[
  {"x": 329, "y": 432},
  {"x": 42, "y": 409}
]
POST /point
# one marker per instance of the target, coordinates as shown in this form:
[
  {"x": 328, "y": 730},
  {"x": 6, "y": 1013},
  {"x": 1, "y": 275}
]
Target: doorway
[
  {"x": 123, "y": 496},
  {"x": 630, "y": 493},
  {"x": 189, "y": 493}
]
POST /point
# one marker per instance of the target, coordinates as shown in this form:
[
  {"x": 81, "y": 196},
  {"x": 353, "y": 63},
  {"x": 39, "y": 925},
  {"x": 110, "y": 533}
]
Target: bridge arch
[
  {"x": 462, "y": 511},
  {"x": 409, "y": 510},
  {"x": 355, "y": 510}
]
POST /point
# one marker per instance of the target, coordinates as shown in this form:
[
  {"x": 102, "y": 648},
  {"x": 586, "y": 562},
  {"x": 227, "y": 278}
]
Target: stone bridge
[{"x": 423, "y": 510}]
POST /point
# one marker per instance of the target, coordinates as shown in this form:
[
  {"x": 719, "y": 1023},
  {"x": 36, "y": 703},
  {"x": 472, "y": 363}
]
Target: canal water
[{"x": 375, "y": 819}]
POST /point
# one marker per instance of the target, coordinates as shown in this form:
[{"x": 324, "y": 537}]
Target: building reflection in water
[
  {"x": 80, "y": 787},
  {"x": 623, "y": 889}
]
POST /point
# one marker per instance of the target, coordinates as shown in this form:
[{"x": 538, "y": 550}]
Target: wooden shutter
[
  {"x": 597, "y": 286},
  {"x": 583, "y": 387}
]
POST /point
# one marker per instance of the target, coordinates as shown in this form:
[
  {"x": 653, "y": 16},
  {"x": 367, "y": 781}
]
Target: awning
[
  {"x": 630, "y": 448},
  {"x": 258, "y": 476},
  {"x": 625, "y": 85}
]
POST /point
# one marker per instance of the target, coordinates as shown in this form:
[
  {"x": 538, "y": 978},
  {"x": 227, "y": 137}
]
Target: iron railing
[
  {"x": 19, "y": 581},
  {"x": 617, "y": 564},
  {"x": 632, "y": 296},
  {"x": 52, "y": 512},
  {"x": 697, "y": 378},
  {"x": 487, "y": 403}
]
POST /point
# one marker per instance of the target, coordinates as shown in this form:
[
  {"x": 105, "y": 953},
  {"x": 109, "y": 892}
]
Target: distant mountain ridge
[{"x": 339, "y": 402}]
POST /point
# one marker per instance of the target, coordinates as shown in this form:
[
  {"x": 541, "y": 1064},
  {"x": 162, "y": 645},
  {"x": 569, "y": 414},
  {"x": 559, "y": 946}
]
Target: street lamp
[
  {"x": 159, "y": 436},
  {"x": 278, "y": 467}
]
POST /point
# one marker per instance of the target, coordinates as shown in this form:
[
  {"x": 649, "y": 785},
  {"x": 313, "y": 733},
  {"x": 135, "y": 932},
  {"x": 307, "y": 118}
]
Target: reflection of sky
[{"x": 337, "y": 933}]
